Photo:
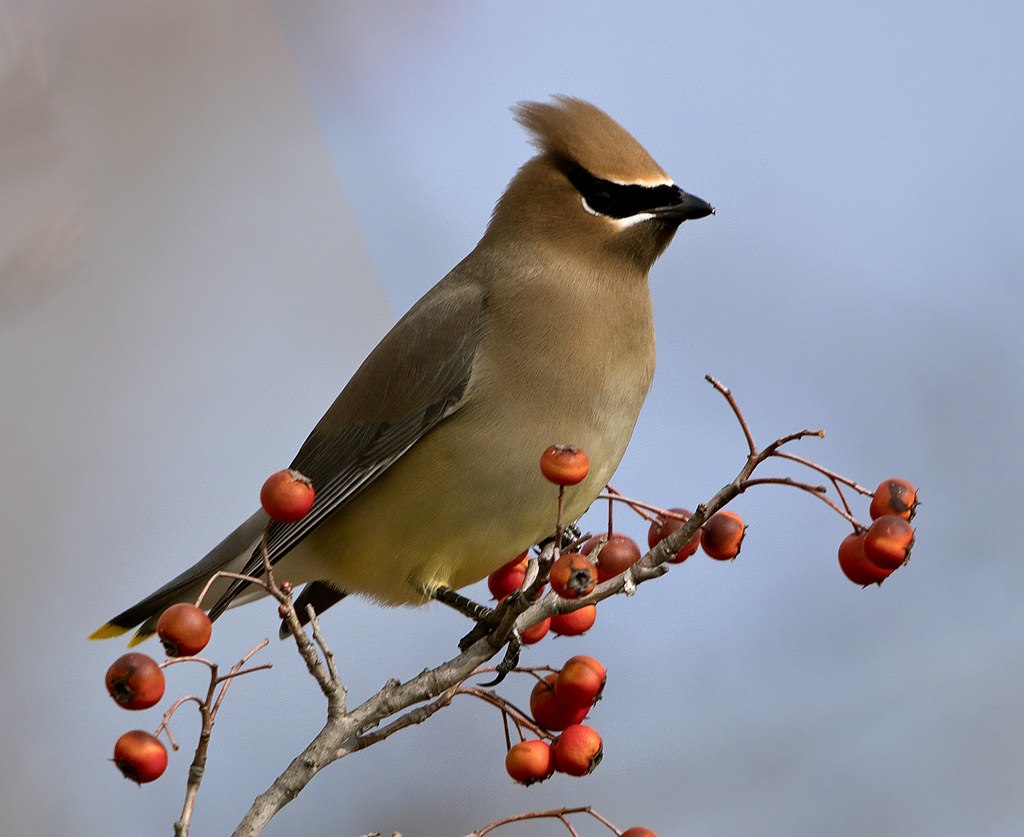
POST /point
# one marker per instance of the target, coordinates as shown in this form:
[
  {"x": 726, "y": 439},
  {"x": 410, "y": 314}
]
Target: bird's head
[{"x": 593, "y": 191}]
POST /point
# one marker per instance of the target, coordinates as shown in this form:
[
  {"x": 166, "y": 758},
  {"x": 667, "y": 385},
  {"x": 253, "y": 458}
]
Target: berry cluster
[
  {"x": 720, "y": 537},
  {"x": 870, "y": 555},
  {"x": 576, "y": 572},
  {"x": 560, "y": 702},
  {"x": 509, "y": 578},
  {"x": 136, "y": 681},
  {"x": 867, "y": 556}
]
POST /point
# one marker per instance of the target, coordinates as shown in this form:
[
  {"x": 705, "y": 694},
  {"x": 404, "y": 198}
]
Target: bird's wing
[{"x": 416, "y": 377}]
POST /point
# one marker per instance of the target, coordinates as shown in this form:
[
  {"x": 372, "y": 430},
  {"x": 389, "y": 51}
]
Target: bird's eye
[{"x": 599, "y": 200}]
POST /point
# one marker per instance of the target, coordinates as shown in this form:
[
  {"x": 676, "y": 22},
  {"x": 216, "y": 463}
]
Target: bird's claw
[
  {"x": 487, "y": 619},
  {"x": 480, "y": 630},
  {"x": 570, "y": 534},
  {"x": 509, "y": 661}
]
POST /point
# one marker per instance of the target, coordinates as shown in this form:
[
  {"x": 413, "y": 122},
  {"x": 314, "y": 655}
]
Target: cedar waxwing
[{"x": 426, "y": 467}]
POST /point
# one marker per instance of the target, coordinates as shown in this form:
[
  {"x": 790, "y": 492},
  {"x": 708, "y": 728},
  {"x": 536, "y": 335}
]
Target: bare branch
[
  {"x": 727, "y": 393},
  {"x": 560, "y": 814}
]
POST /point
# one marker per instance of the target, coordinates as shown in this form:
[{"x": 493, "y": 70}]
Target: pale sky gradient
[{"x": 210, "y": 213}]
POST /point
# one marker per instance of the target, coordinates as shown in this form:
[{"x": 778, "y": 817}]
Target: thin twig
[
  {"x": 325, "y": 649},
  {"x": 814, "y": 466},
  {"x": 332, "y": 689},
  {"x": 259, "y": 582},
  {"x": 817, "y": 490},
  {"x": 772, "y": 449},
  {"x": 208, "y": 713},
  {"x": 727, "y": 393},
  {"x": 559, "y": 814},
  {"x": 640, "y": 507},
  {"x": 519, "y": 717},
  {"x": 174, "y": 707},
  {"x": 237, "y": 671}
]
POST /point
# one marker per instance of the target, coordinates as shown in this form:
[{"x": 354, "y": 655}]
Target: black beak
[{"x": 685, "y": 208}]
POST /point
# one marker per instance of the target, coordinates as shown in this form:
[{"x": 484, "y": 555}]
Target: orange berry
[
  {"x": 578, "y": 750},
  {"x": 855, "y": 564},
  {"x": 661, "y": 528},
  {"x": 135, "y": 681},
  {"x": 618, "y": 554},
  {"x": 508, "y": 577},
  {"x": 573, "y": 575},
  {"x": 638, "y": 831},
  {"x": 535, "y": 633},
  {"x": 722, "y": 535},
  {"x": 564, "y": 464},
  {"x": 548, "y": 711},
  {"x": 287, "y": 496},
  {"x": 140, "y": 756},
  {"x": 573, "y": 624},
  {"x": 530, "y": 761},
  {"x": 888, "y": 541},
  {"x": 896, "y": 497},
  {"x": 581, "y": 681},
  {"x": 184, "y": 629}
]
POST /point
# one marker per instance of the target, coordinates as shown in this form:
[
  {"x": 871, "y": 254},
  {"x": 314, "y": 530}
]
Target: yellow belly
[{"x": 448, "y": 513}]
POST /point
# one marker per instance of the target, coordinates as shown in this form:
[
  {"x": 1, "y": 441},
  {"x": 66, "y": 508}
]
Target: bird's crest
[{"x": 575, "y": 131}]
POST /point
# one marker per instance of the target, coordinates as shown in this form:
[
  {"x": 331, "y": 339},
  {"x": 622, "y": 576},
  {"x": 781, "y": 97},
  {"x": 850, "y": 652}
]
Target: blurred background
[{"x": 210, "y": 213}]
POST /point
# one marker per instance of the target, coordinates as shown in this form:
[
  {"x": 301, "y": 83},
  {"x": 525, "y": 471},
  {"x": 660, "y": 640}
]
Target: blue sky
[{"x": 249, "y": 195}]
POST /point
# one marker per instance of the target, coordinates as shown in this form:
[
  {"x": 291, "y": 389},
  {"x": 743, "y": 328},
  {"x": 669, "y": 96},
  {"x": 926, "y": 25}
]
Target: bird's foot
[
  {"x": 509, "y": 661},
  {"x": 467, "y": 607},
  {"x": 571, "y": 533},
  {"x": 487, "y": 619}
]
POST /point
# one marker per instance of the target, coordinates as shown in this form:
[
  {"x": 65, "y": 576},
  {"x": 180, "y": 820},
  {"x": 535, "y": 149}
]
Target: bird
[{"x": 426, "y": 466}]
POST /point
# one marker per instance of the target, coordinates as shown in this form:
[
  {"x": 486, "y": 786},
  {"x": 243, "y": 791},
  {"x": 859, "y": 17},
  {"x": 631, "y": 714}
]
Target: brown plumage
[
  {"x": 574, "y": 130},
  {"x": 426, "y": 465}
]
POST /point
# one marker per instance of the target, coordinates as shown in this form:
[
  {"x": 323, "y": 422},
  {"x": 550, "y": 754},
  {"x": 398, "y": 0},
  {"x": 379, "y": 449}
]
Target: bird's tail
[{"x": 230, "y": 554}]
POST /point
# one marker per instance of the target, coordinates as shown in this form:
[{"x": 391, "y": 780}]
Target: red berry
[
  {"x": 140, "y": 756},
  {"x": 888, "y": 541},
  {"x": 722, "y": 535},
  {"x": 135, "y": 681},
  {"x": 896, "y": 497},
  {"x": 287, "y": 496},
  {"x": 548, "y": 711},
  {"x": 564, "y": 464},
  {"x": 578, "y": 750},
  {"x": 581, "y": 681},
  {"x": 508, "y": 577},
  {"x": 535, "y": 633},
  {"x": 573, "y": 575},
  {"x": 618, "y": 554},
  {"x": 638, "y": 831},
  {"x": 855, "y": 564},
  {"x": 184, "y": 629},
  {"x": 573, "y": 624},
  {"x": 530, "y": 761},
  {"x": 661, "y": 528}
]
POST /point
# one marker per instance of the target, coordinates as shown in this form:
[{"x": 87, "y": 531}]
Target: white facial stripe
[
  {"x": 643, "y": 181},
  {"x": 623, "y": 223},
  {"x": 620, "y": 223}
]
